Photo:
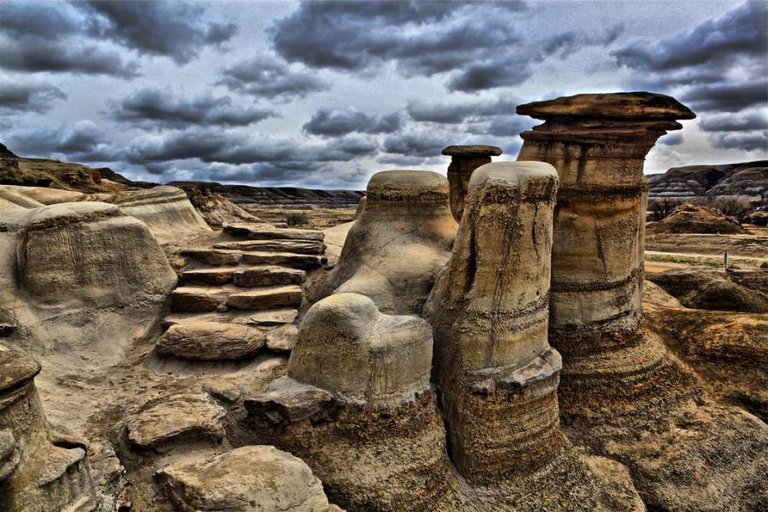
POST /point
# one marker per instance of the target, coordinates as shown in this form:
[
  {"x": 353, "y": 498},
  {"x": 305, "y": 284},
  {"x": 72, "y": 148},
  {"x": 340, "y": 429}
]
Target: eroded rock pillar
[
  {"x": 464, "y": 160},
  {"x": 357, "y": 406},
  {"x": 400, "y": 240},
  {"x": 493, "y": 366},
  {"x": 597, "y": 143},
  {"x": 39, "y": 472}
]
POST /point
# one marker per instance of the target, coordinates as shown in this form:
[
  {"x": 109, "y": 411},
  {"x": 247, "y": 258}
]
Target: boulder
[
  {"x": 210, "y": 341},
  {"x": 251, "y": 478},
  {"x": 351, "y": 349},
  {"x": 283, "y": 338},
  {"x": 175, "y": 420}
]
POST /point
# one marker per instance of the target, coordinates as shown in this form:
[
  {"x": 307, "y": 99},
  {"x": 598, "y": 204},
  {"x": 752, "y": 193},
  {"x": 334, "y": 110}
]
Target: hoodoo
[
  {"x": 39, "y": 471},
  {"x": 494, "y": 368},
  {"x": 401, "y": 239},
  {"x": 464, "y": 160}
]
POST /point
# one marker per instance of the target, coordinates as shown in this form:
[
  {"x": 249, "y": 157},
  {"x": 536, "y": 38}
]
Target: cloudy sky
[{"x": 323, "y": 94}]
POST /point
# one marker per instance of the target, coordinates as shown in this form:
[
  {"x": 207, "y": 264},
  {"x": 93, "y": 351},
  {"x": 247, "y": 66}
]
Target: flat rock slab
[
  {"x": 288, "y": 401},
  {"x": 216, "y": 257},
  {"x": 295, "y": 246},
  {"x": 288, "y": 259},
  {"x": 194, "y": 299},
  {"x": 266, "y": 232},
  {"x": 179, "y": 419},
  {"x": 283, "y": 338},
  {"x": 471, "y": 151},
  {"x": 210, "y": 341},
  {"x": 258, "y": 318},
  {"x": 268, "y": 275},
  {"x": 208, "y": 276},
  {"x": 267, "y": 298},
  {"x": 250, "y": 478}
]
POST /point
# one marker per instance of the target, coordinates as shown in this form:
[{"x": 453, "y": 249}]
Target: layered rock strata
[
  {"x": 401, "y": 239},
  {"x": 39, "y": 471},
  {"x": 464, "y": 160},
  {"x": 494, "y": 368},
  {"x": 620, "y": 391},
  {"x": 357, "y": 406}
]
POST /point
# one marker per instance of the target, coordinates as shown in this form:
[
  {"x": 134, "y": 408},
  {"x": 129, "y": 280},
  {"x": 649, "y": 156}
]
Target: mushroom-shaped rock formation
[
  {"x": 494, "y": 368},
  {"x": 464, "y": 160},
  {"x": 358, "y": 389},
  {"x": 35, "y": 465},
  {"x": 617, "y": 379},
  {"x": 401, "y": 239}
]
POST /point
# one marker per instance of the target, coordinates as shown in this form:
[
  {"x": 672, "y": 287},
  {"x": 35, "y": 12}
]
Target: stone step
[
  {"x": 265, "y": 275},
  {"x": 294, "y": 246},
  {"x": 267, "y": 232},
  {"x": 215, "y": 257},
  {"x": 197, "y": 299},
  {"x": 268, "y": 275},
  {"x": 216, "y": 276},
  {"x": 267, "y": 318},
  {"x": 266, "y": 298},
  {"x": 302, "y": 261},
  {"x": 210, "y": 341}
]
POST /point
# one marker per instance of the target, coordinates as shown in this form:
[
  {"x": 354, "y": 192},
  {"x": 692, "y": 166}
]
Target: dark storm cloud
[
  {"x": 746, "y": 141},
  {"x": 401, "y": 160},
  {"x": 739, "y": 32},
  {"x": 270, "y": 78},
  {"x": 81, "y": 141},
  {"x": 176, "y": 30},
  {"x": 28, "y": 97},
  {"x": 333, "y": 123},
  {"x": 154, "y": 107},
  {"x": 47, "y": 37},
  {"x": 672, "y": 139},
  {"x": 68, "y": 56},
  {"x": 422, "y": 38},
  {"x": 718, "y": 66},
  {"x": 491, "y": 74},
  {"x": 728, "y": 97},
  {"x": 208, "y": 145},
  {"x": 733, "y": 123},
  {"x": 24, "y": 20},
  {"x": 414, "y": 145},
  {"x": 457, "y": 113}
]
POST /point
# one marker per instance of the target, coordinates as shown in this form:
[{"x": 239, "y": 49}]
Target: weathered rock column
[
  {"x": 598, "y": 143},
  {"x": 37, "y": 472},
  {"x": 464, "y": 160},
  {"x": 493, "y": 366},
  {"x": 358, "y": 407},
  {"x": 400, "y": 240}
]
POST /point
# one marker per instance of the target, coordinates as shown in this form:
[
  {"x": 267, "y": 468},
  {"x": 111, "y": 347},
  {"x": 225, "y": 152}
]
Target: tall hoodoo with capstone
[
  {"x": 598, "y": 143},
  {"x": 493, "y": 366},
  {"x": 464, "y": 160},
  {"x": 39, "y": 472}
]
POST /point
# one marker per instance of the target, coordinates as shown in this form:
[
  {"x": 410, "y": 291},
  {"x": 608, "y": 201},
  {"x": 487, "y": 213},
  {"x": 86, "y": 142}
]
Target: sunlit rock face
[
  {"x": 464, "y": 160},
  {"x": 494, "y": 368},
  {"x": 401, "y": 239},
  {"x": 621, "y": 392},
  {"x": 39, "y": 471}
]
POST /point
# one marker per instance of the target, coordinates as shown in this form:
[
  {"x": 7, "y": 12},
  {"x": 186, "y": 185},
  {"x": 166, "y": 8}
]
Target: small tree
[{"x": 661, "y": 207}]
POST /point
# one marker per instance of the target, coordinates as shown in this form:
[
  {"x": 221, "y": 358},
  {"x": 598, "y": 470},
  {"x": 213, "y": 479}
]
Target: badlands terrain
[{"x": 517, "y": 336}]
